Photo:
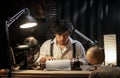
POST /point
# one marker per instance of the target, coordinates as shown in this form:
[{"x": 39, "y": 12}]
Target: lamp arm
[
  {"x": 84, "y": 37},
  {"x": 9, "y": 51},
  {"x": 80, "y": 34},
  {"x": 7, "y": 25},
  {"x": 16, "y": 16}
]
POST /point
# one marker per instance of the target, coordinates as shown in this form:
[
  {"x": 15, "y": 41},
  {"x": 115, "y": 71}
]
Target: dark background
[{"x": 93, "y": 18}]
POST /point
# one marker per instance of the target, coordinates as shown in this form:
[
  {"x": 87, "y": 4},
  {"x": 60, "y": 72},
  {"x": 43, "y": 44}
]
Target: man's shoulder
[{"x": 76, "y": 42}]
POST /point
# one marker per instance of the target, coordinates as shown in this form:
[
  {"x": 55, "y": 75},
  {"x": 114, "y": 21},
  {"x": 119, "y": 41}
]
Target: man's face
[{"x": 63, "y": 38}]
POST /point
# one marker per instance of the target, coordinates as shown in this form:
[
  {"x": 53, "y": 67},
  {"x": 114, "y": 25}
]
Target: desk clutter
[
  {"x": 86, "y": 72},
  {"x": 60, "y": 65},
  {"x": 53, "y": 65},
  {"x": 95, "y": 71}
]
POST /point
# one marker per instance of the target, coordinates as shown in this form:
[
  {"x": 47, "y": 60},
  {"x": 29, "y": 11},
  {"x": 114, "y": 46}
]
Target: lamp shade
[
  {"x": 27, "y": 21},
  {"x": 110, "y": 44},
  {"x": 95, "y": 55}
]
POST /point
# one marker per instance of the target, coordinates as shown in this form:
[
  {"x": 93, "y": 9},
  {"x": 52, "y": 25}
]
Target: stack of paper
[{"x": 58, "y": 65}]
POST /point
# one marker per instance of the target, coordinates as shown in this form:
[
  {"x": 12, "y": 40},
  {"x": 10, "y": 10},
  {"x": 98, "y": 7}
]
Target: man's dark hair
[{"x": 62, "y": 26}]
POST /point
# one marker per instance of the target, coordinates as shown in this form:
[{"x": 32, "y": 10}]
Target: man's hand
[{"x": 44, "y": 59}]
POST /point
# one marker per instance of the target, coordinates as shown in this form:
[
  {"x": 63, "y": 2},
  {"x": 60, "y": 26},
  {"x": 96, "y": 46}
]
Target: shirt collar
[{"x": 70, "y": 40}]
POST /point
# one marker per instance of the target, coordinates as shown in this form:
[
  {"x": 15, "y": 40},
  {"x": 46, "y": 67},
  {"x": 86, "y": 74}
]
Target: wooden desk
[{"x": 47, "y": 74}]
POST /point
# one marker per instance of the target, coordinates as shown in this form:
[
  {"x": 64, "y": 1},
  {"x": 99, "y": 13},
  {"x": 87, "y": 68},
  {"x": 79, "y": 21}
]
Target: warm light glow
[
  {"x": 28, "y": 25},
  {"x": 110, "y": 49}
]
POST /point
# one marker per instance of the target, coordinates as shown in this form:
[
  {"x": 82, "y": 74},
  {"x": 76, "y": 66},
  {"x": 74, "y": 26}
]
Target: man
[{"x": 62, "y": 46}]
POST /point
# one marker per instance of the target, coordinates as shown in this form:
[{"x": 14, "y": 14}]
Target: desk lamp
[
  {"x": 94, "y": 50},
  {"x": 28, "y": 21},
  {"x": 94, "y": 54},
  {"x": 110, "y": 45}
]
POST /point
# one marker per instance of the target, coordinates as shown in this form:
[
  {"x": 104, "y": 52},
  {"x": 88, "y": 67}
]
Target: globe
[{"x": 95, "y": 55}]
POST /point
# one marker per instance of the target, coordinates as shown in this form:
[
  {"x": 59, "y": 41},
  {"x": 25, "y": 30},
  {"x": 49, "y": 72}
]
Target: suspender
[
  {"x": 74, "y": 49},
  {"x": 51, "y": 49}
]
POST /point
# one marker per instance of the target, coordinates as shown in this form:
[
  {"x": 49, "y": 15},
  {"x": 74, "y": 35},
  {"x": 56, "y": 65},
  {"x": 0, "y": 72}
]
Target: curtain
[{"x": 93, "y": 18}]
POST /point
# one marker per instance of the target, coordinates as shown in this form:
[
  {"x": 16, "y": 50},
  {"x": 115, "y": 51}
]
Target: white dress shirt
[{"x": 66, "y": 53}]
